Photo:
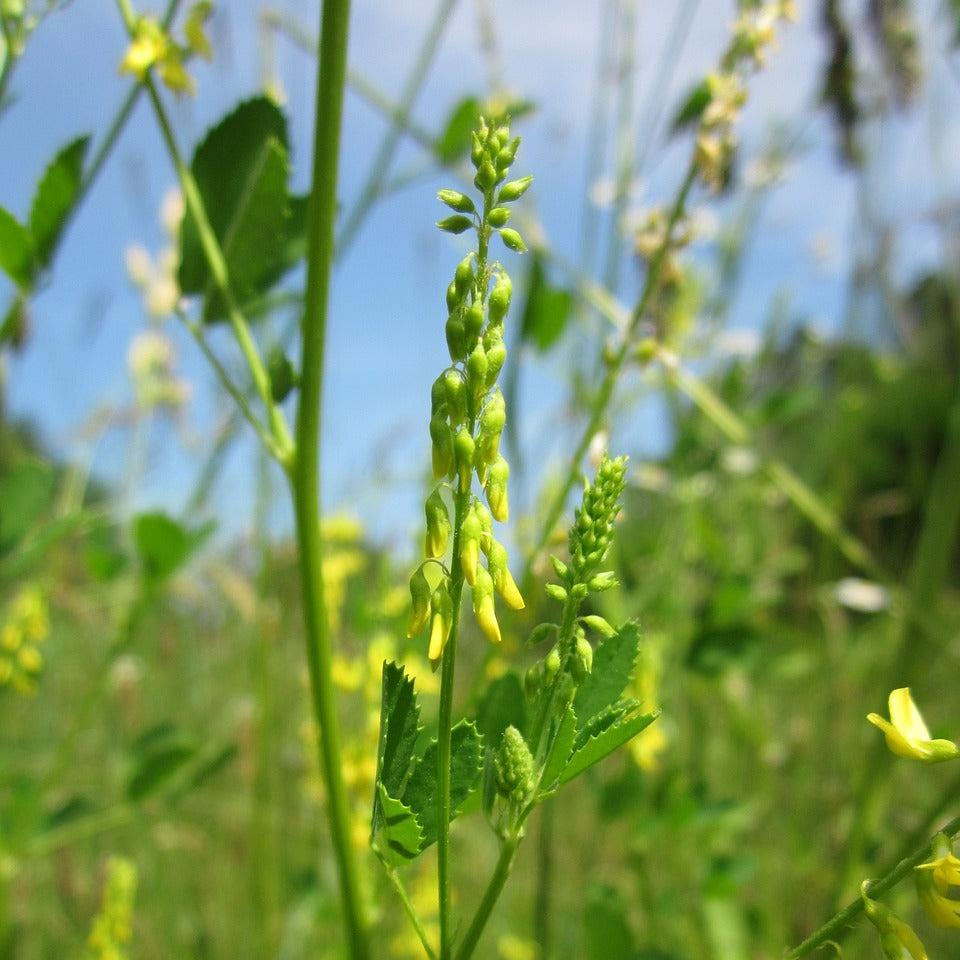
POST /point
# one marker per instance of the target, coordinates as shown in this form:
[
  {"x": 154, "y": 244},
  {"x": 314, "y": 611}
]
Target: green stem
[
  {"x": 501, "y": 872},
  {"x": 445, "y": 727},
  {"x": 408, "y": 906},
  {"x": 834, "y": 928},
  {"x": 615, "y": 364},
  {"x": 305, "y": 475},
  {"x": 542, "y": 904}
]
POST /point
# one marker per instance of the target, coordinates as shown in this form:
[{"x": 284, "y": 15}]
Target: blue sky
[{"x": 385, "y": 341}]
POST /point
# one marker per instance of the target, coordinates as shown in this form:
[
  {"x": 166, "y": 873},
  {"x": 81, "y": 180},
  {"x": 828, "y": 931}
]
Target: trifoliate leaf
[
  {"x": 613, "y": 663},
  {"x": 399, "y": 719},
  {"x": 560, "y": 752},
  {"x": 54, "y": 199},
  {"x": 466, "y": 764},
  {"x": 595, "y": 749}
]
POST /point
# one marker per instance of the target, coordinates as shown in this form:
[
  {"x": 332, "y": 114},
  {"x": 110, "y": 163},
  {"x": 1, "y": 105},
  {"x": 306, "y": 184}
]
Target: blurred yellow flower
[
  {"x": 907, "y": 734},
  {"x": 934, "y": 880}
]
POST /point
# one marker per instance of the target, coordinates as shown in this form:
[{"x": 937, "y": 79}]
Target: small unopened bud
[
  {"x": 513, "y": 240},
  {"x": 456, "y": 200},
  {"x": 486, "y": 177},
  {"x": 606, "y": 580},
  {"x": 463, "y": 276},
  {"x": 582, "y": 661},
  {"x": 453, "y": 297},
  {"x": 441, "y": 620},
  {"x": 498, "y": 565},
  {"x": 477, "y": 372},
  {"x": 483, "y": 606},
  {"x": 492, "y": 422},
  {"x": 541, "y": 632},
  {"x": 455, "y": 395},
  {"x": 515, "y": 768},
  {"x": 551, "y": 663},
  {"x": 500, "y": 298},
  {"x": 420, "y": 603},
  {"x": 496, "y": 357},
  {"x": 473, "y": 320},
  {"x": 595, "y": 622},
  {"x": 457, "y": 223},
  {"x": 560, "y": 568},
  {"x": 471, "y": 533},
  {"x": 438, "y": 525},
  {"x": 463, "y": 450},
  {"x": 438, "y": 395},
  {"x": 442, "y": 438},
  {"x": 514, "y": 189},
  {"x": 496, "y": 489},
  {"x": 456, "y": 338},
  {"x": 498, "y": 216},
  {"x": 557, "y": 592}
]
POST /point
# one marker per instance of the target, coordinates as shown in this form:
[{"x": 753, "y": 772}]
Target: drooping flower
[
  {"x": 907, "y": 734},
  {"x": 897, "y": 938},
  {"x": 934, "y": 880}
]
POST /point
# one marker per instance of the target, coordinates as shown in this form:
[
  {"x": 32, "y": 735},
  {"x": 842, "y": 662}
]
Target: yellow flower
[
  {"x": 907, "y": 734},
  {"x": 149, "y": 45},
  {"x": 934, "y": 880},
  {"x": 197, "y": 40},
  {"x": 897, "y": 939}
]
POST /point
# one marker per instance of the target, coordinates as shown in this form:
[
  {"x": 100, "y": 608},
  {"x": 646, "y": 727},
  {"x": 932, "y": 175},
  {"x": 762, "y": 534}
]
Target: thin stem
[
  {"x": 445, "y": 726},
  {"x": 501, "y": 872},
  {"x": 305, "y": 475},
  {"x": 833, "y": 929},
  {"x": 394, "y": 877},
  {"x": 544, "y": 895},
  {"x": 381, "y": 163}
]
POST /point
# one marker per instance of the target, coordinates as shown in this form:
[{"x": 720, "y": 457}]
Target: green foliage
[
  {"x": 164, "y": 545},
  {"x": 402, "y": 838},
  {"x": 600, "y": 746},
  {"x": 16, "y": 250},
  {"x": 613, "y": 663},
  {"x": 158, "y": 756},
  {"x": 546, "y": 310},
  {"x": 454, "y": 141},
  {"x": 55, "y": 198},
  {"x": 26, "y": 493},
  {"x": 692, "y": 107},
  {"x": 606, "y": 931}
]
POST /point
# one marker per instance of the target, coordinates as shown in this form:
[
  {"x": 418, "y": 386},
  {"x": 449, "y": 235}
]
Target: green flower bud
[
  {"x": 453, "y": 297},
  {"x": 486, "y": 177},
  {"x": 456, "y": 201},
  {"x": 456, "y": 338},
  {"x": 438, "y": 525},
  {"x": 515, "y": 768},
  {"x": 645, "y": 351},
  {"x": 471, "y": 533},
  {"x": 441, "y": 620},
  {"x": 557, "y": 592},
  {"x": 582, "y": 661},
  {"x": 500, "y": 298},
  {"x": 551, "y": 664},
  {"x": 595, "y": 622},
  {"x": 496, "y": 357},
  {"x": 514, "y": 190},
  {"x": 496, "y": 489},
  {"x": 455, "y": 396},
  {"x": 463, "y": 276},
  {"x": 420, "y": 603},
  {"x": 492, "y": 421},
  {"x": 503, "y": 582},
  {"x": 498, "y": 217},
  {"x": 513, "y": 240},
  {"x": 438, "y": 395},
  {"x": 442, "y": 438},
  {"x": 477, "y": 151},
  {"x": 483, "y": 606},
  {"x": 592, "y": 531},
  {"x": 561, "y": 569},
  {"x": 602, "y": 581},
  {"x": 541, "y": 632},
  {"x": 486, "y": 521},
  {"x": 463, "y": 450},
  {"x": 456, "y": 223},
  {"x": 473, "y": 320},
  {"x": 507, "y": 154},
  {"x": 477, "y": 372},
  {"x": 578, "y": 591}
]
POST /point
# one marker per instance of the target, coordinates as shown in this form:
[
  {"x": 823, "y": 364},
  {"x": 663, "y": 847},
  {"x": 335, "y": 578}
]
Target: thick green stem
[
  {"x": 834, "y": 928},
  {"x": 305, "y": 475},
  {"x": 445, "y": 728},
  {"x": 501, "y": 872}
]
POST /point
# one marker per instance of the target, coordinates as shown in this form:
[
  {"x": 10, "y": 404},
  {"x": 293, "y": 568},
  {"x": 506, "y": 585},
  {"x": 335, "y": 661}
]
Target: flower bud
[
  {"x": 500, "y": 298},
  {"x": 420, "y": 603},
  {"x": 582, "y": 661},
  {"x": 513, "y": 240},
  {"x": 551, "y": 663},
  {"x": 477, "y": 372},
  {"x": 541, "y": 632},
  {"x": 463, "y": 450},
  {"x": 453, "y": 297},
  {"x": 463, "y": 276},
  {"x": 473, "y": 320},
  {"x": 455, "y": 224},
  {"x": 455, "y": 395},
  {"x": 483, "y": 606},
  {"x": 438, "y": 395},
  {"x": 498, "y": 565},
  {"x": 486, "y": 177},
  {"x": 595, "y": 622},
  {"x": 557, "y": 592},
  {"x": 515, "y": 768},
  {"x": 496, "y": 357},
  {"x": 442, "y": 438},
  {"x": 456, "y": 201},
  {"x": 498, "y": 216},
  {"x": 606, "y": 580},
  {"x": 438, "y": 525},
  {"x": 492, "y": 422},
  {"x": 496, "y": 489},
  {"x": 456, "y": 338},
  {"x": 514, "y": 189},
  {"x": 441, "y": 610},
  {"x": 486, "y": 521},
  {"x": 476, "y": 150},
  {"x": 560, "y": 568},
  {"x": 471, "y": 533}
]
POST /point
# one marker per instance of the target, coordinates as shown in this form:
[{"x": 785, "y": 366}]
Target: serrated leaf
[
  {"x": 55, "y": 198},
  {"x": 606, "y": 932},
  {"x": 466, "y": 765},
  {"x": 25, "y": 493},
  {"x": 613, "y": 663},
  {"x": 16, "y": 250},
  {"x": 560, "y": 751},
  {"x": 546, "y": 310},
  {"x": 503, "y": 705},
  {"x": 399, "y": 725},
  {"x": 605, "y": 718},
  {"x": 400, "y": 838},
  {"x": 454, "y": 141},
  {"x": 241, "y": 171},
  {"x": 602, "y": 745},
  {"x": 692, "y": 107}
]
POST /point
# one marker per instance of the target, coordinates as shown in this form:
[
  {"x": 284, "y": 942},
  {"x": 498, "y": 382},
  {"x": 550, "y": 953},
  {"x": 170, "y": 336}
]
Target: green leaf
[
  {"x": 546, "y": 311},
  {"x": 163, "y": 544},
  {"x": 399, "y": 725},
  {"x": 613, "y": 663},
  {"x": 606, "y": 932},
  {"x": 692, "y": 107},
  {"x": 26, "y": 492},
  {"x": 399, "y": 829},
  {"x": 241, "y": 171},
  {"x": 560, "y": 751},
  {"x": 454, "y": 142},
  {"x": 14, "y": 323},
  {"x": 16, "y": 251},
  {"x": 466, "y": 764},
  {"x": 502, "y": 706},
  {"x": 55, "y": 198},
  {"x": 157, "y": 757},
  {"x": 31, "y": 552},
  {"x": 605, "y": 718},
  {"x": 602, "y": 745}
]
